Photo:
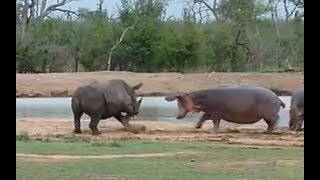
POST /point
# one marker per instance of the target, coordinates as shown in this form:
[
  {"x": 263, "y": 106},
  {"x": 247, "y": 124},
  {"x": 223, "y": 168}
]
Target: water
[{"x": 152, "y": 108}]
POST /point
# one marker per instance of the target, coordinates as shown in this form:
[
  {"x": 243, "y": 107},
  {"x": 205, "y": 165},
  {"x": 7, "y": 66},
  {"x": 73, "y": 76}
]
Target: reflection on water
[{"x": 152, "y": 108}]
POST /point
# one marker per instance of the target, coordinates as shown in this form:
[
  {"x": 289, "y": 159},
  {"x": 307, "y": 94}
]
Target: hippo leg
[
  {"x": 124, "y": 120},
  {"x": 216, "y": 125},
  {"x": 271, "y": 123},
  {"x": 77, "y": 122},
  {"x": 202, "y": 119},
  {"x": 93, "y": 125},
  {"x": 292, "y": 124},
  {"x": 292, "y": 120},
  {"x": 298, "y": 124}
]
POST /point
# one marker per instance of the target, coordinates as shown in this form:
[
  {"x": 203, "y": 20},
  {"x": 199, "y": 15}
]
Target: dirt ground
[
  {"x": 168, "y": 131},
  {"x": 154, "y": 84},
  {"x": 58, "y": 158}
]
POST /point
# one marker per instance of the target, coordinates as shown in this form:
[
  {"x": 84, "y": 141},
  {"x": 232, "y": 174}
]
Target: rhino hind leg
[
  {"x": 272, "y": 121},
  {"x": 77, "y": 122},
  {"x": 93, "y": 125}
]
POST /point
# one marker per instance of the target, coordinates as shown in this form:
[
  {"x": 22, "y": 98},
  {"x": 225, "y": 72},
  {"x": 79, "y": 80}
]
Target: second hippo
[
  {"x": 237, "y": 104},
  {"x": 296, "y": 111}
]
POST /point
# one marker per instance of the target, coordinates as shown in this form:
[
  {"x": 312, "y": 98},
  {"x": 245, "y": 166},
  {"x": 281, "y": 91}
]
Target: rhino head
[{"x": 135, "y": 104}]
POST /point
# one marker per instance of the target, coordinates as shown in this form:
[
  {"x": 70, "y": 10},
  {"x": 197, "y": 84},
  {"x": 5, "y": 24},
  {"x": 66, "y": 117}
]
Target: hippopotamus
[
  {"x": 296, "y": 111},
  {"x": 102, "y": 101},
  {"x": 237, "y": 104}
]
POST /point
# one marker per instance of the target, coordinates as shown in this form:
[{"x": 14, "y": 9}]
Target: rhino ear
[
  {"x": 140, "y": 100},
  {"x": 137, "y": 86}
]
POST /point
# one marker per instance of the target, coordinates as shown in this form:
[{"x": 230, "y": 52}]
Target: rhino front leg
[{"x": 124, "y": 120}]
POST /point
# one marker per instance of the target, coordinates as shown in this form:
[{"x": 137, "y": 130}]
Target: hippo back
[
  {"x": 297, "y": 98},
  {"x": 297, "y": 101},
  {"x": 233, "y": 102}
]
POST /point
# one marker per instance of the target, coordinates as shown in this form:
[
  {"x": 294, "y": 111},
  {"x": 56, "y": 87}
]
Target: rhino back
[
  {"x": 119, "y": 83},
  {"x": 117, "y": 97},
  {"x": 88, "y": 99}
]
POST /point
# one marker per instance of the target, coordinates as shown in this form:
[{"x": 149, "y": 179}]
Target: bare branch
[
  {"x": 288, "y": 14},
  {"x": 32, "y": 10},
  {"x": 51, "y": 8},
  {"x": 275, "y": 28},
  {"x": 200, "y": 14},
  {"x": 68, "y": 12},
  {"x": 24, "y": 22},
  {"x": 215, "y": 5},
  {"x": 117, "y": 44},
  {"x": 237, "y": 43},
  {"x": 238, "y": 36},
  {"x": 257, "y": 51},
  {"x": 36, "y": 8},
  {"x": 100, "y": 5},
  {"x": 194, "y": 13},
  {"x": 213, "y": 9},
  {"x": 43, "y": 6},
  {"x": 18, "y": 57}
]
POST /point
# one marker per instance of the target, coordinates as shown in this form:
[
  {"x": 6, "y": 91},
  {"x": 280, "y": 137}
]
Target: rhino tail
[{"x": 283, "y": 105}]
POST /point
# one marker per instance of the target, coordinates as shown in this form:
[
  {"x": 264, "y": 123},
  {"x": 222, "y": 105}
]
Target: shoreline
[{"x": 154, "y": 84}]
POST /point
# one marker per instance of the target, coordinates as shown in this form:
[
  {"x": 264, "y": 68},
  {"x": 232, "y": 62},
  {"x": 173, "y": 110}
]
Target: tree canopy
[{"x": 216, "y": 35}]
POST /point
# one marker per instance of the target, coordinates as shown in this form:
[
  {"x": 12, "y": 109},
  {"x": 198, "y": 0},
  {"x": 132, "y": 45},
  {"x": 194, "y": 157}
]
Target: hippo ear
[
  {"x": 171, "y": 98},
  {"x": 137, "y": 86},
  {"x": 186, "y": 101}
]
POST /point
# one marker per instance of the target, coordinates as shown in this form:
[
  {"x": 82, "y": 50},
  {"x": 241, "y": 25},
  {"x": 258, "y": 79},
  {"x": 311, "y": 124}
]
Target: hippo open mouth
[{"x": 180, "y": 116}]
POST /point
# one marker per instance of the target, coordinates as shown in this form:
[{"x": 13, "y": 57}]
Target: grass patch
[
  {"x": 208, "y": 161},
  {"x": 115, "y": 144},
  {"x": 23, "y": 136},
  {"x": 98, "y": 147}
]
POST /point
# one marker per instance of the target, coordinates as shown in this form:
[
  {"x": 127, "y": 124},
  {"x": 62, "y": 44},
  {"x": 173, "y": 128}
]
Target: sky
[{"x": 174, "y": 7}]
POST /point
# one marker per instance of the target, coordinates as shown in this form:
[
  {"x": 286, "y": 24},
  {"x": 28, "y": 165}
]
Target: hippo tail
[{"x": 283, "y": 105}]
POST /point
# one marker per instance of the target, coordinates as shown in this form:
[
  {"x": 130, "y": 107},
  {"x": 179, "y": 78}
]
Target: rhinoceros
[{"x": 102, "y": 101}]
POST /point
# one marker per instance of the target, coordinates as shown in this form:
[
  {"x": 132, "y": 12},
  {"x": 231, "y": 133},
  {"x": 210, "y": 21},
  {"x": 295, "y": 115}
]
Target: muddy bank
[
  {"x": 154, "y": 84},
  {"x": 230, "y": 133}
]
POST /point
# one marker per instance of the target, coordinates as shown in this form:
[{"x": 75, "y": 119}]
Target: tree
[{"x": 246, "y": 35}]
